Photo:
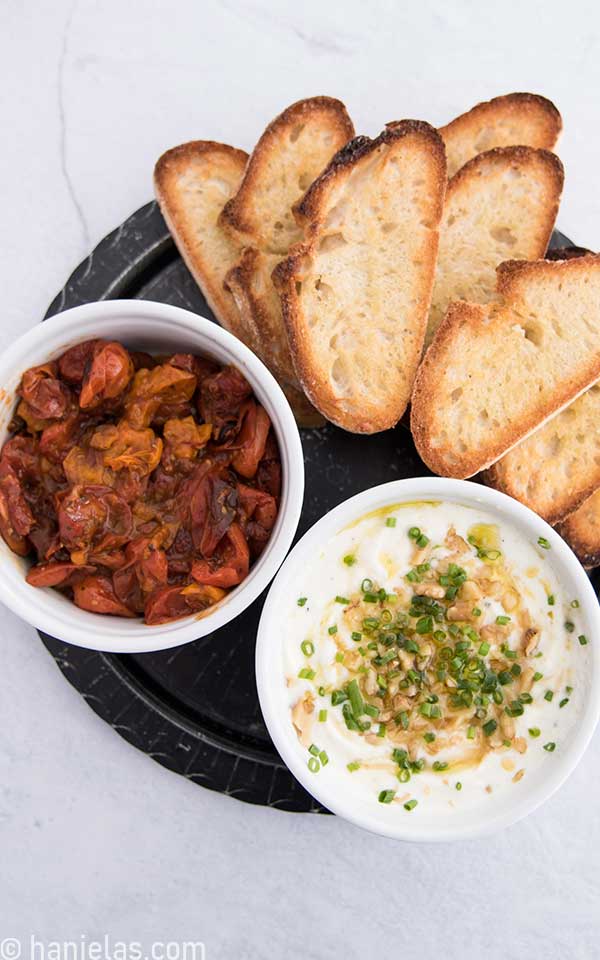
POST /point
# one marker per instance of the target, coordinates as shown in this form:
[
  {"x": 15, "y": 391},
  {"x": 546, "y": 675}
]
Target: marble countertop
[{"x": 96, "y": 839}]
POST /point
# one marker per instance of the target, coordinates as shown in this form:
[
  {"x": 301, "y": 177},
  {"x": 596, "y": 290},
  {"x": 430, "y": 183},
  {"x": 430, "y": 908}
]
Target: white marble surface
[{"x": 95, "y": 837}]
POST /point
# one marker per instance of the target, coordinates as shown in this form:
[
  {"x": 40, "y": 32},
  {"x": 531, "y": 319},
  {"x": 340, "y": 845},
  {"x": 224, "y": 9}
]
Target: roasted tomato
[
  {"x": 172, "y": 603},
  {"x": 46, "y": 397},
  {"x": 230, "y": 563},
  {"x": 110, "y": 371},
  {"x": 220, "y": 401},
  {"x": 138, "y": 485},
  {"x": 96, "y": 594}
]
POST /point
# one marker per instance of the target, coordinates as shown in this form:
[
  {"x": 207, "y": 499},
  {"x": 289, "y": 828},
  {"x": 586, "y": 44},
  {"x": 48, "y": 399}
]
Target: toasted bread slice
[
  {"x": 192, "y": 182},
  {"x": 494, "y": 374},
  {"x": 294, "y": 149},
  {"x": 516, "y": 119},
  {"x": 581, "y": 530},
  {"x": 501, "y": 203},
  {"x": 558, "y": 467},
  {"x": 356, "y": 291}
]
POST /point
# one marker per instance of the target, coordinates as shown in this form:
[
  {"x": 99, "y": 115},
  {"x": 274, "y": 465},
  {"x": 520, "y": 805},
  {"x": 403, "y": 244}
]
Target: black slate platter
[{"x": 194, "y": 708}]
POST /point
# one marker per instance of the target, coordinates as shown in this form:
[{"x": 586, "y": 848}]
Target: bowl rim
[
  {"x": 113, "y": 634},
  {"x": 466, "y": 493}
]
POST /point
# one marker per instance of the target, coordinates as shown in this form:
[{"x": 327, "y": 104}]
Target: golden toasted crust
[
  {"x": 494, "y": 374},
  {"x": 581, "y": 530},
  {"x": 292, "y": 151},
  {"x": 514, "y": 119},
  {"x": 356, "y": 347},
  {"x": 192, "y": 182},
  {"x": 502, "y": 202}
]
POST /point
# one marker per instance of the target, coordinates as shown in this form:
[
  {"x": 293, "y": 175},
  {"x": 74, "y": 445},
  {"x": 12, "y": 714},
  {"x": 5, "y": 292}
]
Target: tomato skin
[
  {"x": 173, "y": 603},
  {"x": 108, "y": 376},
  {"x": 230, "y": 564},
  {"x": 95, "y": 593},
  {"x": 57, "y": 573}
]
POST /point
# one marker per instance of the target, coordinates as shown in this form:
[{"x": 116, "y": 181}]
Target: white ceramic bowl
[
  {"x": 155, "y": 328},
  {"x": 270, "y": 671}
]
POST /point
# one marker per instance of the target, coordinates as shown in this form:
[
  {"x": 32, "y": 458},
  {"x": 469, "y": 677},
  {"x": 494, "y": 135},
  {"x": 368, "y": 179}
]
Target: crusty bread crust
[
  {"x": 502, "y": 202},
  {"x": 182, "y": 178},
  {"x": 511, "y": 331},
  {"x": 380, "y": 404},
  {"x": 259, "y": 214},
  {"x": 581, "y": 530},
  {"x": 513, "y": 119}
]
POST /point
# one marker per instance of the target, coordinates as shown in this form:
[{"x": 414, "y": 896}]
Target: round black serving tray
[{"x": 194, "y": 708}]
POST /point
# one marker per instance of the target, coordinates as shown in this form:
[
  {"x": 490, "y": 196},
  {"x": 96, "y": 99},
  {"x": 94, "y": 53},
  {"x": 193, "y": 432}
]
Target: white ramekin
[
  {"x": 155, "y": 328},
  {"x": 269, "y": 658}
]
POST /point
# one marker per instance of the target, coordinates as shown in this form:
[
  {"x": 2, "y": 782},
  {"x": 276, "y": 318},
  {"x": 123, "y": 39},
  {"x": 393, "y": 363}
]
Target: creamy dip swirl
[{"x": 431, "y": 659}]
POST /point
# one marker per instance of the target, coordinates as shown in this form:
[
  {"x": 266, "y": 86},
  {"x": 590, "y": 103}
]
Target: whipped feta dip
[{"x": 431, "y": 661}]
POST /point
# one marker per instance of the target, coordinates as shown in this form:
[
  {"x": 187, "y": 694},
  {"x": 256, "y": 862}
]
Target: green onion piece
[
  {"x": 550, "y": 747},
  {"x": 525, "y": 697},
  {"x": 314, "y": 749},
  {"x": 337, "y": 697},
  {"x": 412, "y": 576},
  {"x": 356, "y": 636},
  {"x": 582, "y": 639},
  {"x": 551, "y": 600},
  {"x": 306, "y": 674},
  {"x": 332, "y": 630},
  {"x": 429, "y": 737},
  {"x": 424, "y": 625},
  {"x": 321, "y": 691},
  {"x": 339, "y": 657},
  {"x": 371, "y": 710},
  {"x": 484, "y": 649},
  {"x": 569, "y": 690},
  {"x": 410, "y": 804},
  {"x": 414, "y": 533},
  {"x": 404, "y": 721},
  {"x": 301, "y": 601},
  {"x": 342, "y": 600},
  {"x": 390, "y": 522},
  {"x": 386, "y": 796},
  {"x": 367, "y": 585},
  {"x": 307, "y": 647},
  {"x": 563, "y": 702},
  {"x": 569, "y": 627},
  {"x": 476, "y": 612},
  {"x": 502, "y": 621},
  {"x": 548, "y": 696},
  {"x": 381, "y": 730},
  {"x": 353, "y": 766},
  {"x": 322, "y": 716},
  {"x": 538, "y": 676},
  {"x": 356, "y": 700},
  {"x": 470, "y": 733},
  {"x": 534, "y": 732},
  {"x": 458, "y": 785},
  {"x": 439, "y": 765},
  {"x": 323, "y": 758},
  {"x": 422, "y": 540},
  {"x": 314, "y": 765},
  {"x": 349, "y": 560},
  {"x": 575, "y": 604},
  {"x": 542, "y": 542},
  {"x": 490, "y": 727}
]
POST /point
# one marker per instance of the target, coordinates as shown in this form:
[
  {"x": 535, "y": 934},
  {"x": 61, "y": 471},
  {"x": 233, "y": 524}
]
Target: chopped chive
[
  {"x": 484, "y": 649},
  {"x": 582, "y": 639},
  {"x": 323, "y": 758},
  {"x": 542, "y": 542},
  {"x": 371, "y": 710},
  {"x": 538, "y": 676},
  {"x": 502, "y": 621},
  {"x": 550, "y": 747},
  {"x": 356, "y": 700},
  {"x": 314, "y": 765},
  {"x": 439, "y": 765},
  {"x": 490, "y": 727},
  {"x": 410, "y": 804},
  {"x": 301, "y": 601},
  {"x": 332, "y": 630},
  {"x": 429, "y": 737},
  {"x": 337, "y": 697},
  {"x": 314, "y": 750},
  {"x": 349, "y": 560},
  {"x": 422, "y": 541},
  {"x": 414, "y": 533},
  {"x": 390, "y": 522},
  {"x": 307, "y": 647},
  {"x": 470, "y": 733},
  {"x": 342, "y": 600},
  {"x": 322, "y": 716},
  {"x": 353, "y": 766},
  {"x": 381, "y": 730},
  {"x": 458, "y": 785},
  {"x": 339, "y": 657},
  {"x": 575, "y": 604},
  {"x": 306, "y": 674},
  {"x": 367, "y": 585},
  {"x": 534, "y": 732},
  {"x": 386, "y": 796},
  {"x": 563, "y": 702},
  {"x": 476, "y": 612},
  {"x": 404, "y": 721},
  {"x": 569, "y": 690},
  {"x": 321, "y": 691},
  {"x": 551, "y": 600},
  {"x": 549, "y": 696},
  {"x": 569, "y": 627}
]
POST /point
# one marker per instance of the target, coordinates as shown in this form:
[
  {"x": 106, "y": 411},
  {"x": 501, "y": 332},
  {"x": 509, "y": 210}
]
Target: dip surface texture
[{"x": 431, "y": 661}]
